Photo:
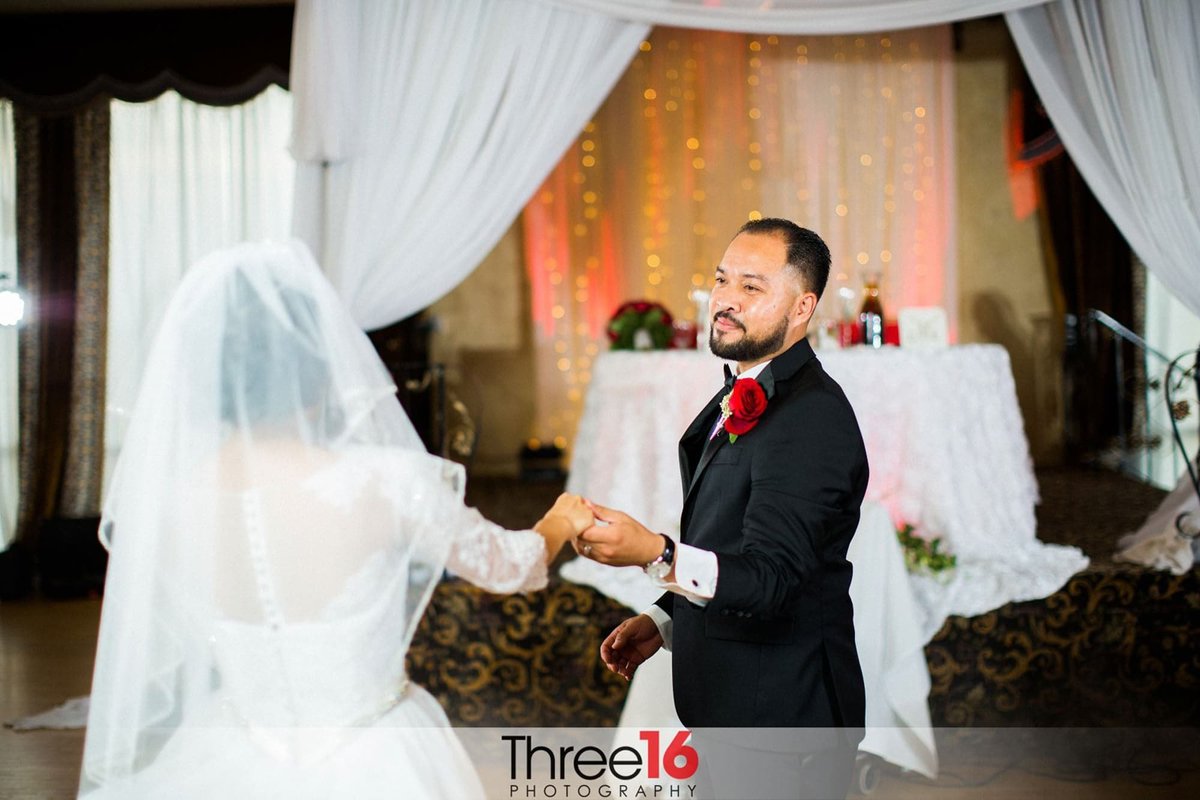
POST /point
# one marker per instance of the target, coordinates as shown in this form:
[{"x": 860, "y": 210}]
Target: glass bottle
[{"x": 870, "y": 316}]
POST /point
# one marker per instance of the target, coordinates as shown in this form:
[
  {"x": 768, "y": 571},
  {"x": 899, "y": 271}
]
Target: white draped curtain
[
  {"x": 186, "y": 179},
  {"x": 422, "y": 127},
  {"x": 8, "y": 335},
  {"x": 795, "y": 16},
  {"x": 1119, "y": 80}
]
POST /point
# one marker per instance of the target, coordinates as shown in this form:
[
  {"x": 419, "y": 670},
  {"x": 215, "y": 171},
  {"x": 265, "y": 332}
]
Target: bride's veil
[{"x": 267, "y": 468}]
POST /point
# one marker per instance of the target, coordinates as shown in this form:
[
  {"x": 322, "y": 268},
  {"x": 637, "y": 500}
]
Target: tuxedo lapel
[
  {"x": 710, "y": 449},
  {"x": 692, "y": 445}
]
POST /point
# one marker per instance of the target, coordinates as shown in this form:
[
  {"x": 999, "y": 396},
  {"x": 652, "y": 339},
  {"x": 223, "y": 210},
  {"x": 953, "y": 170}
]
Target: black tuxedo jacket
[{"x": 775, "y": 645}]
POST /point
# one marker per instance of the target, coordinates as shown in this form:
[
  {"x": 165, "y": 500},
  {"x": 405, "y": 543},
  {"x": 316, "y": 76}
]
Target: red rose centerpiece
[
  {"x": 641, "y": 325},
  {"x": 741, "y": 408}
]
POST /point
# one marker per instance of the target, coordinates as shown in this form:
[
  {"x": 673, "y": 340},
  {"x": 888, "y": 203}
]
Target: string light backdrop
[{"x": 848, "y": 135}]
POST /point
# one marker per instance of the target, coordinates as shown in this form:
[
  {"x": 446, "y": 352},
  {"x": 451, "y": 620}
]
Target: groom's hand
[
  {"x": 623, "y": 542},
  {"x": 630, "y": 644}
]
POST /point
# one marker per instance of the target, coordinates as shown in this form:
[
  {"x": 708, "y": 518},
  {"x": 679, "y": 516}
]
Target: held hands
[
  {"x": 566, "y": 518},
  {"x": 630, "y": 643},
  {"x": 623, "y": 542}
]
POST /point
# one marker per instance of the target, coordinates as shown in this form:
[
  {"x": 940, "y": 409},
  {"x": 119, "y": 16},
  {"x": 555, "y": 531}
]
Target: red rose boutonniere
[{"x": 741, "y": 408}]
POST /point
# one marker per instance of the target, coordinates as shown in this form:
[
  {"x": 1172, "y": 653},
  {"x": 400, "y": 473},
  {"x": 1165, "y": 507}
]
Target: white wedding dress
[
  {"x": 276, "y": 531},
  {"x": 321, "y": 708}
]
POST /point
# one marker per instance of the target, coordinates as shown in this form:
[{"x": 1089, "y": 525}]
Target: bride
[{"x": 275, "y": 530}]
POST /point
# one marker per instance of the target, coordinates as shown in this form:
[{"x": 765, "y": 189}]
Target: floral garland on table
[
  {"x": 924, "y": 555},
  {"x": 641, "y": 325}
]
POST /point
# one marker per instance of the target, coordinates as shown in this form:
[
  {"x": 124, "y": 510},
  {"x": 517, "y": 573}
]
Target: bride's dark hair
[{"x": 272, "y": 361}]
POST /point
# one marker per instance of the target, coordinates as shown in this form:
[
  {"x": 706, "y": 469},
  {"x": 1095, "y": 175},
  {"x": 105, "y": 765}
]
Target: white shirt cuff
[
  {"x": 695, "y": 574},
  {"x": 662, "y": 620}
]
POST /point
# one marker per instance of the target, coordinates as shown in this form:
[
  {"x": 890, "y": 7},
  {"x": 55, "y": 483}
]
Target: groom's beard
[{"x": 748, "y": 348}]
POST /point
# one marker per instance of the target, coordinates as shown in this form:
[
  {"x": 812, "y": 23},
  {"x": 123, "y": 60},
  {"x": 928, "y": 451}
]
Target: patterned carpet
[{"x": 1115, "y": 646}]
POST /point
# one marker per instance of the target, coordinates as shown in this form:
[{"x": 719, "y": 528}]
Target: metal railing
[{"x": 1150, "y": 380}]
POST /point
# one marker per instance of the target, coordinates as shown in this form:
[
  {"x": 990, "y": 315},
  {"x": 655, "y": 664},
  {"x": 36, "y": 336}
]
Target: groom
[{"x": 757, "y": 608}]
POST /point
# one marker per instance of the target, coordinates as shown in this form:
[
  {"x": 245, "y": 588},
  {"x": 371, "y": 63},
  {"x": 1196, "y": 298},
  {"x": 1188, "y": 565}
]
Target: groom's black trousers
[{"x": 730, "y": 771}]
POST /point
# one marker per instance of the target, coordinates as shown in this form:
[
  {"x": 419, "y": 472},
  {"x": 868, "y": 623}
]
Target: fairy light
[{"x": 667, "y": 240}]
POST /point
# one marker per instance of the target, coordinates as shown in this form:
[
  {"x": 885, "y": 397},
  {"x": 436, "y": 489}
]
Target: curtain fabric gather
[
  {"x": 795, "y": 16},
  {"x": 445, "y": 118},
  {"x": 1118, "y": 80}
]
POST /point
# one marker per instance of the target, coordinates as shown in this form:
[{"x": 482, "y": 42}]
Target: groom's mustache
[{"x": 725, "y": 315}]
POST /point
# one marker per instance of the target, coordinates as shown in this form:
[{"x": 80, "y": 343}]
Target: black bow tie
[{"x": 730, "y": 378}]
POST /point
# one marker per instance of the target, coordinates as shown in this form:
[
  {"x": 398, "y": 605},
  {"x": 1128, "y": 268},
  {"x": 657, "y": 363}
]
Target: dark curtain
[
  {"x": 62, "y": 250},
  {"x": 420, "y": 384},
  {"x": 47, "y": 251},
  {"x": 1093, "y": 269},
  {"x": 215, "y": 56}
]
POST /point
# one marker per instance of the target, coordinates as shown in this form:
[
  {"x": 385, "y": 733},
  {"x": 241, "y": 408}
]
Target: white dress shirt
[{"x": 695, "y": 568}]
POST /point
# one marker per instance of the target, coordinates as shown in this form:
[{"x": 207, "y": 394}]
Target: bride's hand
[
  {"x": 576, "y": 510},
  {"x": 564, "y": 521}
]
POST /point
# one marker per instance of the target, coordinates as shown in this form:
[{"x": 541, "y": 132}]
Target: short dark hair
[{"x": 806, "y": 251}]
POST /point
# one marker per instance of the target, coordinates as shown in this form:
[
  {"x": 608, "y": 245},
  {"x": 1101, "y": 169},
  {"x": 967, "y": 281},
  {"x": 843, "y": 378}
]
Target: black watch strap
[{"x": 668, "y": 553}]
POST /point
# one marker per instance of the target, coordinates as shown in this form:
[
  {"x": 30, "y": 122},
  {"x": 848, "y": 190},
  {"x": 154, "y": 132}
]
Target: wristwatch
[{"x": 659, "y": 568}]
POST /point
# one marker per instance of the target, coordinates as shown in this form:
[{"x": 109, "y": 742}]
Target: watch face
[{"x": 658, "y": 570}]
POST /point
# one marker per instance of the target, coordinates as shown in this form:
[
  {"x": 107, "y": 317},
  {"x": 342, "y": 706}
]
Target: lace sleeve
[
  {"x": 482, "y": 552},
  {"x": 495, "y": 558}
]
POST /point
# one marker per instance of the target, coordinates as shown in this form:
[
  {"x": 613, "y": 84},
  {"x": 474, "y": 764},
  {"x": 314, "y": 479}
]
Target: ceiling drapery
[
  {"x": 809, "y": 17},
  {"x": 458, "y": 109}
]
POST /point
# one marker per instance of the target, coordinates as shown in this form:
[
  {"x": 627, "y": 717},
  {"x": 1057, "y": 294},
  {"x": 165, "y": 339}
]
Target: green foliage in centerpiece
[
  {"x": 924, "y": 555},
  {"x": 640, "y": 315}
]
